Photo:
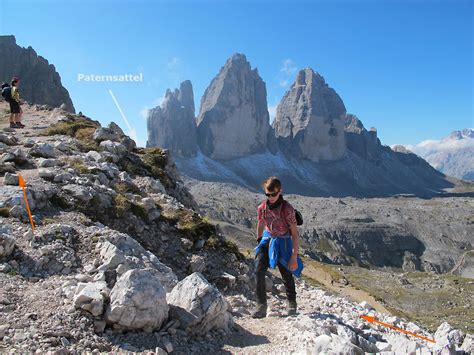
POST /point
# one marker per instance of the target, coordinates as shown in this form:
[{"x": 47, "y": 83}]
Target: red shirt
[{"x": 275, "y": 222}]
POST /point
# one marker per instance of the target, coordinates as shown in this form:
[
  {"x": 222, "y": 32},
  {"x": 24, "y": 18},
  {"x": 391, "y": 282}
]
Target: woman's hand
[{"x": 293, "y": 263}]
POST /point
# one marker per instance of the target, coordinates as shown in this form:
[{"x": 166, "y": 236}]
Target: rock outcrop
[
  {"x": 40, "y": 82},
  {"x": 199, "y": 306},
  {"x": 233, "y": 121},
  {"x": 360, "y": 141},
  {"x": 172, "y": 125},
  {"x": 309, "y": 122},
  {"x": 138, "y": 301}
]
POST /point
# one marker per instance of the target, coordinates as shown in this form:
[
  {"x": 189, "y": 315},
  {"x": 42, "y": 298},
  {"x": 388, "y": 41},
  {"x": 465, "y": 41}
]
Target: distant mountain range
[
  {"x": 313, "y": 144},
  {"x": 452, "y": 155}
]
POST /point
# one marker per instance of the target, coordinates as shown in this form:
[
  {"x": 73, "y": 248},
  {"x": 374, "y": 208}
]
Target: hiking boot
[
  {"x": 260, "y": 311},
  {"x": 20, "y": 125},
  {"x": 13, "y": 125},
  {"x": 291, "y": 308}
]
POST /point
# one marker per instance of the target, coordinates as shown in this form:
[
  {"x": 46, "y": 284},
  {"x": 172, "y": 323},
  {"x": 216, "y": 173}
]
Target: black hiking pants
[{"x": 261, "y": 267}]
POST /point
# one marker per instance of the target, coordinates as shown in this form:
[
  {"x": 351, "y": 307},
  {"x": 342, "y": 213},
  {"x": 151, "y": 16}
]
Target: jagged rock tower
[
  {"x": 173, "y": 125},
  {"x": 309, "y": 122},
  {"x": 233, "y": 121}
]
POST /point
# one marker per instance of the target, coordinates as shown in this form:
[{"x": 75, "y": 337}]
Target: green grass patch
[
  {"x": 324, "y": 246},
  {"x": 122, "y": 188},
  {"x": 123, "y": 205},
  {"x": 155, "y": 160},
  {"x": 78, "y": 165},
  {"x": 80, "y": 128}
]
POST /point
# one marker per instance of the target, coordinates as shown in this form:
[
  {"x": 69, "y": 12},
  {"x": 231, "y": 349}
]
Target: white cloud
[
  {"x": 447, "y": 144},
  {"x": 287, "y": 71}
]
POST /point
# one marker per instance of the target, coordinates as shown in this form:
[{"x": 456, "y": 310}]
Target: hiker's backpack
[
  {"x": 298, "y": 215},
  {"x": 7, "y": 92}
]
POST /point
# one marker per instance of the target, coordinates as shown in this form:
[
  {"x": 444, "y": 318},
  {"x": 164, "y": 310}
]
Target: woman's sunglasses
[{"x": 273, "y": 194}]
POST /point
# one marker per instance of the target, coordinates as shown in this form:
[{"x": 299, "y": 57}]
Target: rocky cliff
[
  {"x": 360, "y": 141},
  {"x": 233, "y": 120},
  {"x": 40, "y": 82},
  {"x": 172, "y": 125},
  {"x": 309, "y": 122}
]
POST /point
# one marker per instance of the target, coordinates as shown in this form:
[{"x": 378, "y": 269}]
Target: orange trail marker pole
[
  {"x": 373, "y": 320},
  {"x": 22, "y": 184}
]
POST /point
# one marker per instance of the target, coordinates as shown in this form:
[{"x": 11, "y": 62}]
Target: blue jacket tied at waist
[{"x": 279, "y": 251}]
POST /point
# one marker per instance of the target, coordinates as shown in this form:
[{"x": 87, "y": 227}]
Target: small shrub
[
  {"x": 122, "y": 205},
  {"x": 5, "y": 212},
  {"x": 80, "y": 128},
  {"x": 78, "y": 165}
]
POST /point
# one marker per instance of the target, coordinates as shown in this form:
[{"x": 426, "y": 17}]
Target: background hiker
[
  {"x": 278, "y": 236},
  {"x": 15, "y": 109}
]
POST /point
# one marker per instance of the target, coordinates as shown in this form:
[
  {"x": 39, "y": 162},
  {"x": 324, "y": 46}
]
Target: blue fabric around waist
[{"x": 280, "y": 249}]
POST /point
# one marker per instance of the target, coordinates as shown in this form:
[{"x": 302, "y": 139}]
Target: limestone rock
[
  {"x": 138, "y": 301},
  {"x": 233, "y": 120},
  {"x": 33, "y": 69},
  {"x": 448, "y": 337},
  {"x": 172, "y": 125},
  {"x": 90, "y": 297},
  {"x": 8, "y": 139},
  {"x": 43, "y": 150},
  {"x": 115, "y": 148},
  {"x": 121, "y": 250},
  {"x": 199, "y": 306},
  {"x": 105, "y": 134},
  {"x": 10, "y": 179},
  {"x": 309, "y": 122},
  {"x": 7, "y": 244}
]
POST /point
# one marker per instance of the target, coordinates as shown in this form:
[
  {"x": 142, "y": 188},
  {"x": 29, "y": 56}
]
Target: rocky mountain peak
[
  {"x": 233, "y": 119},
  {"x": 186, "y": 96},
  {"x": 173, "y": 119},
  {"x": 7, "y": 40},
  {"x": 310, "y": 119},
  {"x": 39, "y": 86},
  {"x": 466, "y": 133}
]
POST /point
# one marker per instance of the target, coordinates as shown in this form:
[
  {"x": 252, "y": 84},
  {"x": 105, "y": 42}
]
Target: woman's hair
[
  {"x": 271, "y": 184},
  {"x": 14, "y": 81}
]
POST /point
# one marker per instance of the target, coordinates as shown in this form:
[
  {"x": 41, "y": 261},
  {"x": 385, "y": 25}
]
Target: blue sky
[{"x": 404, "y": 67}]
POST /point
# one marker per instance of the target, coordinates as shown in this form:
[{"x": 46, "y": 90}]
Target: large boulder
[
  {"x": 309, "y": 122},
  {"x": 7, "y": 242},
  {"x": 199, "y": 306},
  {"x": 233, "y": 121},
  {"x": 172, "y": 125},
  {"x": 121, "y": 253},
  {"x": 447, "y": 337},
  {"x": 138, "y": 301}
]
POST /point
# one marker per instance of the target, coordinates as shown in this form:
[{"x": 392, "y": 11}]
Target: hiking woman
[{"x": 278, "y": 239}]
